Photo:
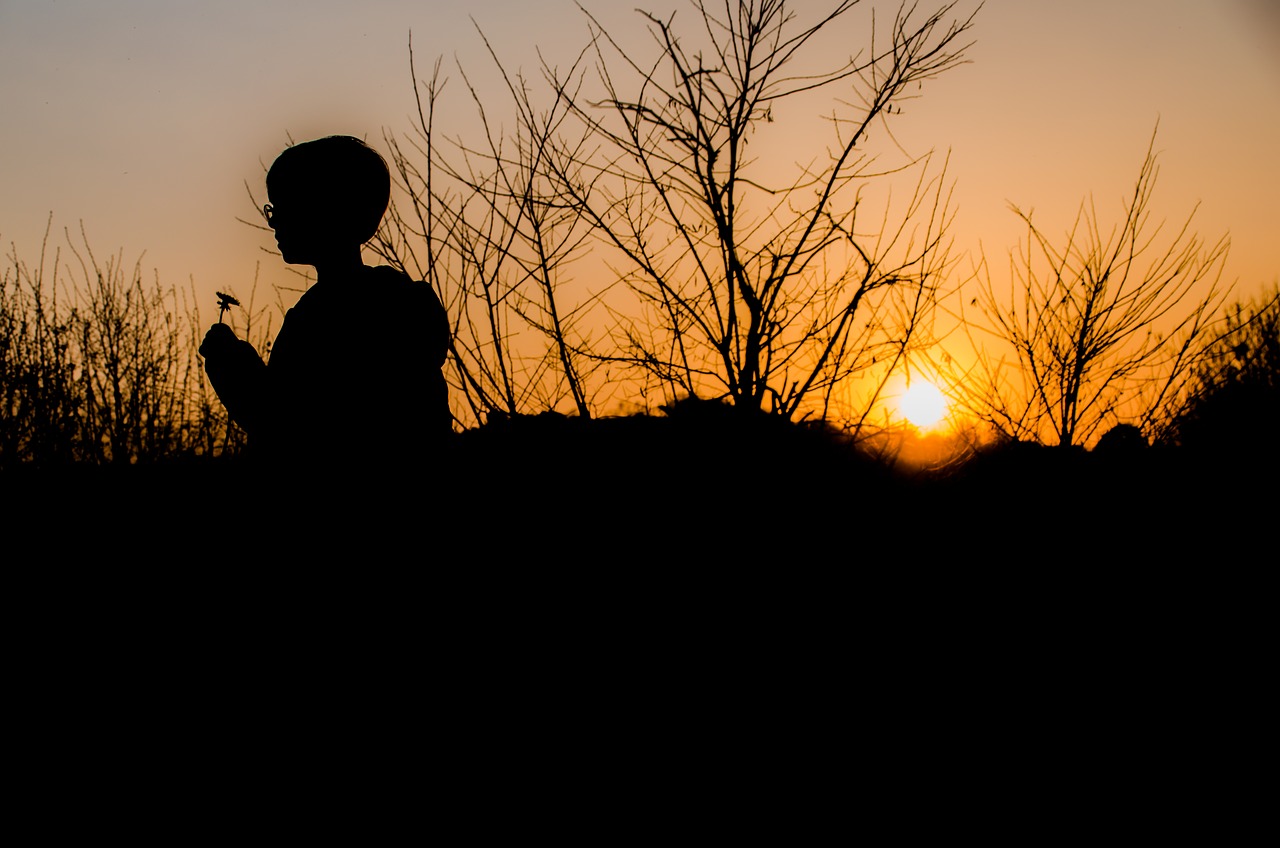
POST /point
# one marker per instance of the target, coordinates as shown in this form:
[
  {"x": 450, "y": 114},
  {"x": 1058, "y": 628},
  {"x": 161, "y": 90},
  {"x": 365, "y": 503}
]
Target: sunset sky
[{"x": 143, "y": 119}]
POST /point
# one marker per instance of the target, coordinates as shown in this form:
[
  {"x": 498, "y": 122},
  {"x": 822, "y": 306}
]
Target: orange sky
[{"x": 144, "y": 118}]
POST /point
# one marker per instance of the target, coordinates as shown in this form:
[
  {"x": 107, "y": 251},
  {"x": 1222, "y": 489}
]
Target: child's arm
[{"x": 237, "y": 373}]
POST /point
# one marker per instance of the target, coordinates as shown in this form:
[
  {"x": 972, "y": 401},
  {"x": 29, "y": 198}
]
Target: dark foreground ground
[
  {"x": 707, "y": 488},
  {"x": 632, "y": 614}
]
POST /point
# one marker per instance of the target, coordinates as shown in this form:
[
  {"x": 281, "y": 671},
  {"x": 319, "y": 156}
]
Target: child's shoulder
[
  {"x": 391, "y": 279},
  {"x": 396, "y": 281},
  {"x": 385, "y": 274},
  {"x": 398, "y": 292}
]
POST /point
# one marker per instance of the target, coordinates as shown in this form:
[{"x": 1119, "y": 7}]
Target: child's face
[{"x": 303, "y": 232}]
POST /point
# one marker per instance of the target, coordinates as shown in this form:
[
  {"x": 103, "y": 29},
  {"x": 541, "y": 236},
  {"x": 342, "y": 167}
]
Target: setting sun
[{"x": 923, "y": 405}]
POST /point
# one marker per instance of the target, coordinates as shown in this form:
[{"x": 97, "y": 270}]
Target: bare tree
[
  {"x": 753, "y": 280},
  {"x": 1100, "y": 328},
  {"x": 724, "y": 272},
  {"x": 498, "y": 242}
]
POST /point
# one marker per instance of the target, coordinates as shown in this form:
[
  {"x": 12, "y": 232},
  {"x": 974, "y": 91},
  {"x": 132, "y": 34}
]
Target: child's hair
[{"x": 345, "y": 177}]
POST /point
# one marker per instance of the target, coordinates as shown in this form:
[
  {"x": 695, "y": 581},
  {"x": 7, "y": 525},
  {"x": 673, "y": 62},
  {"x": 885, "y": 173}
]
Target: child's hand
[{"x": 218, "y": 342}]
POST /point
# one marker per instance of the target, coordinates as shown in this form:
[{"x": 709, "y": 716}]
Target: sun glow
[{"x": 923, "y": 405}]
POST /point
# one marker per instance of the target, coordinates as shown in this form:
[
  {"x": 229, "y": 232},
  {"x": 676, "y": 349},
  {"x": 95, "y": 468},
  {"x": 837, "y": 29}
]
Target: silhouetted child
[{"x": 354, "y": 386}]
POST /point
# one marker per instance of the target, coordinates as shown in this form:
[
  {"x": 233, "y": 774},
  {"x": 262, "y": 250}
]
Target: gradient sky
[{"x": 143, "y": 119}]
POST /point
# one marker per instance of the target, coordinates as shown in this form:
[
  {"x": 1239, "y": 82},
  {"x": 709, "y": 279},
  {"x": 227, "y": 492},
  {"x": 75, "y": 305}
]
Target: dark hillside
[{"x": 701, "y": 485}]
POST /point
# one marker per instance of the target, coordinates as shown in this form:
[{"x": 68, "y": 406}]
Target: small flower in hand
[{"x": 225, "y": 302}]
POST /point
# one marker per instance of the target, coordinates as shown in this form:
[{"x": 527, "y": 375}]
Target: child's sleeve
[{"x": 239, "y": 376}]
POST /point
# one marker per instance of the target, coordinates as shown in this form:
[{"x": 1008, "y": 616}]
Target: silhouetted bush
[
  {"x": 1234, "y": 404},
  {"x": 703, "y": 478},
  {"x": 97, "y": 367},
  {"x": 1122, "y": 438}
]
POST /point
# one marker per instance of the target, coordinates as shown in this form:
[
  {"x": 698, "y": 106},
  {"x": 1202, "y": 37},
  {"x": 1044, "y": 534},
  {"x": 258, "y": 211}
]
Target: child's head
[{"x": 338, "y": 183}]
